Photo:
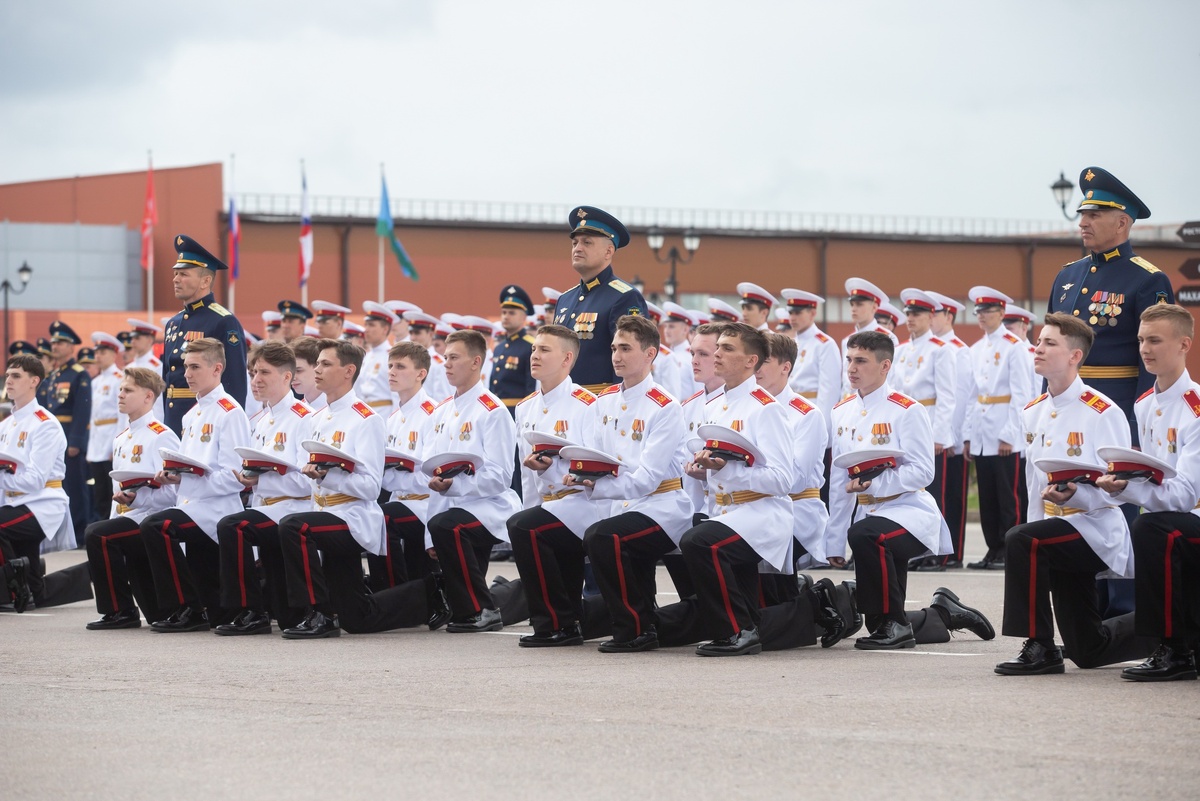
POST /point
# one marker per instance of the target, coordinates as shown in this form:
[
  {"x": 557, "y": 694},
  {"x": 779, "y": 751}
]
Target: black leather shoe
[
  {"x": 571, "y": 635},
  {"x": 847, "y": 598},
  {"x": 803, "y": 582},
  {"x": 1165, "y": 664},
  {"x": 487, "y": 620},
  {"x": 439, "y": 607},
  {"x": 952, "y": 563},
  {"x": 646, "y": 641},
  {"x": 121, "y": 619},
  {"x": 827, "y": 614},
  {"x": 247, "y": 622},
  {"x": 185, "y": 618},
  {"x": 996, "y": 564},
  {"x": 962, "y": 617},
  {"x": 315, "y": 626},
  {"x": 891, "y": 636},
  {"x": 1035, "y": 659},
  {"x": 16, "y": 579},
  {"x": 930, "y": 564},
  {"x": 744, "y": 643},
  {"x": 500, "y": 553}
]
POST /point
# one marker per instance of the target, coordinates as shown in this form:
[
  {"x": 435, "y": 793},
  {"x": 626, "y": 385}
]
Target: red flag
[{"x": 149, "y": 218}]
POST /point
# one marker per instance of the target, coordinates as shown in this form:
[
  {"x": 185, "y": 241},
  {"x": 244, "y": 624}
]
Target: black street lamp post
[
  {"x": 24, "y": 273},
  {"x": 691, "y": 242}
]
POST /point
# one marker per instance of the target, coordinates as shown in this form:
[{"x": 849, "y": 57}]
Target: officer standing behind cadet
[
  {"x": 293, "y": 319},
  {"x": 68, "y": 396},
  {"x": 592, "y": 308},
  {"x": 194, "y": 272},
  {"x": 511, "y": 380}
]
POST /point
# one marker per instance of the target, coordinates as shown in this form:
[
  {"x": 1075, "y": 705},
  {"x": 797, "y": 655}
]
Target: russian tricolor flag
[{"x": 306, "y": 233}]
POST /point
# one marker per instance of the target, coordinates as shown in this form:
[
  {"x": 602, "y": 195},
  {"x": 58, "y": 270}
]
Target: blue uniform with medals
[
  {"x": 510, "y": 379},
  {"x": 66, "y": 393}
]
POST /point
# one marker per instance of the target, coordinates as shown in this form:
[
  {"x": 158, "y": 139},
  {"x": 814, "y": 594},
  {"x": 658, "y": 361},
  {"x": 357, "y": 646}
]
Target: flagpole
[
  {"x": 381, "y": 176},
  {"x": 232, "y": 284},
  {"x": 150, "y": 263},
  {"x": 304, "y": 288}
]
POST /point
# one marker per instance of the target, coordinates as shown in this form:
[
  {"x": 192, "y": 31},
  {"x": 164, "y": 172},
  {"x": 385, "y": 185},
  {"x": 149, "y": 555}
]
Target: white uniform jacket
[
  {"x": 151, "y": 362},
  {"x": 964, "y": 385},
  {"x": 136, "y": 448},
  {"x": 371, "y": 386},
  {"x": 999, "y": 363},
  {"x": 436, "y": 385},
  {"x": 642, "y": 426},
  {"x": 354, "y": 428},
  {"x": 764, "y": 519},
  {"x": 477, "y": 422},
  {"x": 1169, "y": 429},
  {"x": 1071, "y": 426},
  {"x": 925, "y": 368},
  {"x": 566, "y": 411},
  {"x": 693, "y": 415},
  {"x": 279, "y": 430},
  {"x": 809, "y": 438},
  {"x": 408, "y": 430},
  {"x": 106, "y": 420},
  {"x": 886, "y": 419},
  {"x": 36, "y": 436},
  {"x": 817, "y": 373},
  {"x": 211, "y": 430},
  {"x": 682, "y": 353},
  {"x": 872, "y": 326},
  {"x": 668, "y": 373}
]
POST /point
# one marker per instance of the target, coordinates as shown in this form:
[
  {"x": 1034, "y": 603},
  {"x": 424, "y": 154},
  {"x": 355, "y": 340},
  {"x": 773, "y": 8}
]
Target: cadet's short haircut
[
  {"x": 643, "y": 329},
  {"x": 146, "y": 378},
  {"x": 474, "y": 342},
  {"x": 878, "y": 343},
  {"x": 753, "y": 340},
  {"x": 211, "y": 350},
  {"x": 29, "y": 363},
  {"x": 711, "y": 329},
  {"x": 347, "y": 353},
  {"x": 568, "y": 337},
  {"x": 411, "y": 350},
  {"x": 275, "y": 353},
  {"x": 1179, "y": 318},
  {"x": 1077, "y": 333},
  {"x": 781, "y": 348},
  {"x": 307, "y": 348}
]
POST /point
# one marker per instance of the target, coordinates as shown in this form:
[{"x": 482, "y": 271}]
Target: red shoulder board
[
  {"x": 658, "y": 396},
  {"x": 364, "y": 411},
  {"x": 936, "y": 341},
  {"x": 699, "y": 392},
  {"x": 762, "y": 396},
  {"x": 1037, "y": 400},
  {"x": 1145, "y": 395},
  {"x": 608, "y": 390},
  {"x": 155, "y": 362},
  {"x": 428, "y": 407},
  {"x": 227, "y": 404},
  {"x": 437, "y": 357},
  {"x": 488, "y": 403},
  {"x": 958, "y": 343},
  {"x": 527, "y": 397},
  {"x": 157, "y": 427},
  {"x": 664, "y": 350},
  {"x": 301, "y": 410},
  {"x": 1193, "y": 400},
  {"x": 42, "y": 415},
  {"x": 800, "y": 405},
  {"x": 843, "y": 400},
  {"x": 584, "y": 396},
  {"x": 1099, "y": 404},
  {"x": 901, "y": 400},
  {"x": 1009, "y": 336},
  {"x": 820, "y": 337}
]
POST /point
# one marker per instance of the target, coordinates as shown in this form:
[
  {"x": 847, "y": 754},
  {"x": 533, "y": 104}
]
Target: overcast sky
[{"x": 918, "y": 108}]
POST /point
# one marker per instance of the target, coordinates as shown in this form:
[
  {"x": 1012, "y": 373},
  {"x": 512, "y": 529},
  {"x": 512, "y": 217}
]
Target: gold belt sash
[
  {"x": 806, "y": 495},
  {"x": 1054, "y": 510},
  {"x": 669, "y": 485},
  {"x": 56, "y": 484},
  {"x": 107, "y": 421},
  {"x": 122, "y": 509},
  {"x": 280, "y": 498},
  {"x": 1130, "y": 371},
  {"x": 64, "y": 418},
  {"x": 990, "y": 400},
  {"x": 871, "y": 500},
  {"x": 413, "y": 497},
  {"x": 336, "y": 499},
  {"x": 555, "y": 496},
  {"x": 181, "y": 392},
  {"x": 379, "y": 404},
  {"x": 739, "y": 497},
  {"x": 808, "y": 395},
  {"x": 511, "y": 402},
  {"x": 927, "y": 401}
]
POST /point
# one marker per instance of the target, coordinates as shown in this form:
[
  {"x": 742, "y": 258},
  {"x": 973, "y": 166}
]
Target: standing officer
[
  {"x": 293, "y": 319},
  {"x": 194, "y": 273},
  {"x": 126, "y": 340},
  {"x": 68, "y": 393},
  {"x": 591, "y": 309},
  {"x": 511, "y": 380}
]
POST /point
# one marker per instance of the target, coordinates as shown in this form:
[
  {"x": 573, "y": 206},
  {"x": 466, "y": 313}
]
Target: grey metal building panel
[{"x": 75, "y": 266}]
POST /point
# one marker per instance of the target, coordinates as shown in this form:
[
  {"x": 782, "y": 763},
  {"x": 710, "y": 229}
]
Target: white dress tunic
[
  {"x": 1169, "y": 429},
  {"x": 36, "y": 437},
  {"x": 566, "y": 411},
  {"x": 279, "y": 430},
  {"x": 136, "y": 448},
  {"x": 211, "y": 430},
  {"x": 810, "y": 438}
]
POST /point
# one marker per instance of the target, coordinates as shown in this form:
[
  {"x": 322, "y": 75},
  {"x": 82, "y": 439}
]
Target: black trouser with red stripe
[
  {"x": 1049, "y": 557},
  {"x": 953, "y": 471},
  {"x": 1166, "y": 550},
  {"x": 549, "y": 557},
  {"x": 332, "y": 582},
  {"x": 22, "y": 535},
  {"x": 724, "y": 568},
  {"x": 463, "y": 548},
  {"x": 120, "y": 568},
  {"x": 405, "y": 557},
  {"x": 101, "y": 489},
  {"x": 624, "y": 551},
  {"x": 1000, "y": 507},
  {"x": 237, "y": 534},
  {"x": 191, "y": 580},
  {"x": 881, "y": 549}
]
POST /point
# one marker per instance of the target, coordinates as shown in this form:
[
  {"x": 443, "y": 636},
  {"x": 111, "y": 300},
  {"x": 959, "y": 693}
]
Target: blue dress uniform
[
  {"x": 67, "y": 392},
  {"x": 1110, "y": 291},
  {"x": 199, "y": 319},
  {"x": 592, "y": 308},
  {"x": 510, "y": 379}
]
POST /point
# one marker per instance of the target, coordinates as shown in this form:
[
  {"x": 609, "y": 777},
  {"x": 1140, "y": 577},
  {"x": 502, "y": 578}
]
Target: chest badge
[
  {"x": 881, "y": 433},
  {"x": 206, "y": 432},
  {"x": 464, "y": 433},
  {"x": 638, "y": 430},
  {"x": 280, "y": 440},
  {"x": 1074, "y": 440},
  {"x": 1172, "y": 440}
]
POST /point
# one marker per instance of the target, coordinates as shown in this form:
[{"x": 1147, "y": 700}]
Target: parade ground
[{"x": 410, "y": 714}]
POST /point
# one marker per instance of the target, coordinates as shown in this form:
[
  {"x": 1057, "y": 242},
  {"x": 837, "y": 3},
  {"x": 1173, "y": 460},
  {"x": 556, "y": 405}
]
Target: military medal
[
  {"x": 881, "y": 433},
  {"x": 639, "y": 430},
  {"x": 280, "y": 440},
  {"x": 338, "y": 438},
  {"x": 412, "y": 440},
  {"x": 464, "y": 434},
  {"x": 1172, "y": 437},
  {"x": 137, "y": 453},
  {"x": 560, "y": 428},
  {"x": 206, "y": 432},
  {"x": 1074, "y": 440}
]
